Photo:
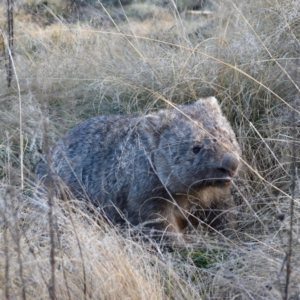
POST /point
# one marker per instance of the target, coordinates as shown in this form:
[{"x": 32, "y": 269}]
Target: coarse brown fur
[{"x": 154, "y": 170}]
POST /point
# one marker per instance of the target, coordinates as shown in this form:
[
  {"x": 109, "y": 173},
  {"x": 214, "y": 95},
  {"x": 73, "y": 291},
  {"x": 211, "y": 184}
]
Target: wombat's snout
[{"x": 230, "y": 164}]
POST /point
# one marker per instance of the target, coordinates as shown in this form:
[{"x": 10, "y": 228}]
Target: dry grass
[{"x": 130, "y": 60}]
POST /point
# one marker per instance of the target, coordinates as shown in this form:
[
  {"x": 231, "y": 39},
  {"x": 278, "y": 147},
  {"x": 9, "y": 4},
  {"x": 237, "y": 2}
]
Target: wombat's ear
[
  {"x": 152, "y": 122},
  {"x": 151, "y": 126},
  {"x": 210, "y": 102}
]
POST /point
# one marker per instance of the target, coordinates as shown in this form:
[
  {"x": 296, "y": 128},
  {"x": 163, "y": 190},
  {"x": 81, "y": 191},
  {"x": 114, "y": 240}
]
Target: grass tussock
[{"x": 74, "y": 62}]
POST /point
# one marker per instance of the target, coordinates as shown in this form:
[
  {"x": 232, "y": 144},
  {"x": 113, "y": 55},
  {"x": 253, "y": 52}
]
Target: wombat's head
[{"x": 193, "y": 146}]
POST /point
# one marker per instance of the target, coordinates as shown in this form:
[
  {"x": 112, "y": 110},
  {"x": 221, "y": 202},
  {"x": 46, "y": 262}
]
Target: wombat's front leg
[
  {"x": 165, "y": 229},
  {"x": 219, "y": 216}
]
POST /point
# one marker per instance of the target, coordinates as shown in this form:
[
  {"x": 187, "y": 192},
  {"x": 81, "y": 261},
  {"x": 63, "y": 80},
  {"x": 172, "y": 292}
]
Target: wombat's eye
[{"x": 196, "y": 149}]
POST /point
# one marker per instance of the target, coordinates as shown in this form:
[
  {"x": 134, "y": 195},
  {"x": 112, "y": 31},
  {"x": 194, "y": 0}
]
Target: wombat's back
[
  {"x": 103, "y": 160},
  {"x": 91, "y": 148}
]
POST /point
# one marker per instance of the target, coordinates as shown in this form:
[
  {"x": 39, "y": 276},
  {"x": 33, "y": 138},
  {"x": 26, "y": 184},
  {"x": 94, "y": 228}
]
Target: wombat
[{"x": 152, "y": 170}]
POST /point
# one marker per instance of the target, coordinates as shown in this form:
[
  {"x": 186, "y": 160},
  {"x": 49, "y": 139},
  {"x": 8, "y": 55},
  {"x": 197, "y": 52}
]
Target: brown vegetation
[{"x": 69, "y": 66}]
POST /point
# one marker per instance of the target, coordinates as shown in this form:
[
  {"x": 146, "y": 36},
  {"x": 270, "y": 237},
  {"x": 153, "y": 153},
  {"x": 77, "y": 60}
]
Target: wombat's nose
[{"x": 230, "y": 163}]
